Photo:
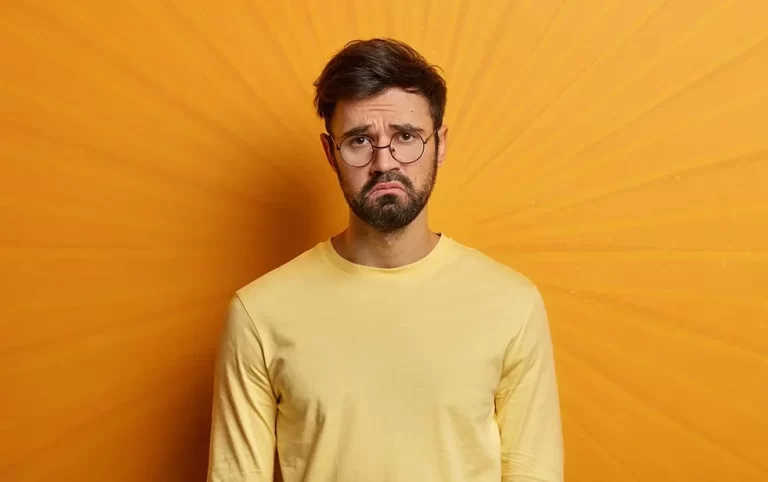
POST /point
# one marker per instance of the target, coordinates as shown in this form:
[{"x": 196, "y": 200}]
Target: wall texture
[{"x": 156, "y": 155}]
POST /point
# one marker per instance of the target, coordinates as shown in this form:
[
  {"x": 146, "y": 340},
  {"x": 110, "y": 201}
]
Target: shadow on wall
[{"x": 274, "y": 233}]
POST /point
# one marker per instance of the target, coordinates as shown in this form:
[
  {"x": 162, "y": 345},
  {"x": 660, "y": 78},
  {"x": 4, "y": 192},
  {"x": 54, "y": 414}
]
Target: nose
[{"x": 383, "y": 160}]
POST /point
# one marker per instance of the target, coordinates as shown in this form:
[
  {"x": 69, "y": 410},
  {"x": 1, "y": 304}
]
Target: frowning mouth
[{"x": 386, "y": 188}]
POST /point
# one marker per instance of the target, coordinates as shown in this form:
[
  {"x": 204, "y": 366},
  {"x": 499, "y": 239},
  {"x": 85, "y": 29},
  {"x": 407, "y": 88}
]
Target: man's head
[{"x": 377, "y": 93}]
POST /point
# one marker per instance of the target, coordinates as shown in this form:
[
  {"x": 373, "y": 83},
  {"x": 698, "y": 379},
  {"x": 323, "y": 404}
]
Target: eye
[
  {"x": 358, "y": 141},
  {"x": 406, "y": 137}
]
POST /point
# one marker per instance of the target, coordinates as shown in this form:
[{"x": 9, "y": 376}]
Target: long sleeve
[
  {"x": 242, "y": 442},
  {"x": 527, "y": 404}
]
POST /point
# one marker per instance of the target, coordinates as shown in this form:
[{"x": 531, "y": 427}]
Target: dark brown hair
[{"x": 364, "y": 68}]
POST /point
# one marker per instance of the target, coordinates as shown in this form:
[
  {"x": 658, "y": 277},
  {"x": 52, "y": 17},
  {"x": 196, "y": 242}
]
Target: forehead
[{"x": 393, "y": 106}]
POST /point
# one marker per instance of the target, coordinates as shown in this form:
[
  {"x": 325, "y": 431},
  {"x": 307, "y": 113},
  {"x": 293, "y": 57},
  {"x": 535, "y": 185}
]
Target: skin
[{"x": 363, "y": 242}]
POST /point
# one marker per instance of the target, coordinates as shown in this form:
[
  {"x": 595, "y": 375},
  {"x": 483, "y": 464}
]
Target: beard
[{"x": 390, "y": 212}]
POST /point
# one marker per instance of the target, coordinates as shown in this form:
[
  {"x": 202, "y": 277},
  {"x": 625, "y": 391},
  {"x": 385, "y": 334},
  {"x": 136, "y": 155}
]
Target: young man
[{"x": 387, "y": 353}]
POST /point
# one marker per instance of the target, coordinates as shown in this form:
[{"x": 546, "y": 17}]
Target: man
[{"x": 387, "y": 352}]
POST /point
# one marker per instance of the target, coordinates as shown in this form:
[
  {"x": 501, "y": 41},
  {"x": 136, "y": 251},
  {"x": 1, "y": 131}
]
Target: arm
[
  {"x": 242, "y": 444},
  {"x": 527, "y": 404}
]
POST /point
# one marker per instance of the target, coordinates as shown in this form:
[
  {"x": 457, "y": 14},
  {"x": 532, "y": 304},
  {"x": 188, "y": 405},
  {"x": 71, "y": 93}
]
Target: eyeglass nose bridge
[
  {"x": 388, "y": 146},
  {"x": 374, "y": 148}
]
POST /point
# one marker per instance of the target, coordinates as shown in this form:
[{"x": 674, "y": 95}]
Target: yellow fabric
[{"x": 441, "y": 370}]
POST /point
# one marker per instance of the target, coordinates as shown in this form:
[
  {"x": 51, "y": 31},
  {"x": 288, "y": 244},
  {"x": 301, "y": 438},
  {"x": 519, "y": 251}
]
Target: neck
[{"x": 361, "y": 244}]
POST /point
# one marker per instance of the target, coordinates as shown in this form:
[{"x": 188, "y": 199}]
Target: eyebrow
[
  {"x": 407, "y": 127},
  {"x": 362, "y": 129}
]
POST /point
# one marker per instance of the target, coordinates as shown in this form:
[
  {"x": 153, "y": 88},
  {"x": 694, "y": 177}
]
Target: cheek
[
  {"x": 353, "y": 180},
  {"x": 419, "y": 173}
]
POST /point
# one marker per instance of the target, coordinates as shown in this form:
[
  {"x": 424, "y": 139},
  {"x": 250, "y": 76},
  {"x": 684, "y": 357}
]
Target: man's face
[{"x": 378, "y": 120}]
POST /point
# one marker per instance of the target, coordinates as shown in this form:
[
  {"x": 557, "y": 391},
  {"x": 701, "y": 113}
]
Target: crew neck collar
[{"x": 426, "y": 264}]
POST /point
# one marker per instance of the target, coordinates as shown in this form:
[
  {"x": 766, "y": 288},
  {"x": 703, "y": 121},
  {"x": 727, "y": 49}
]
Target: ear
[
  {"x": 441, "y": 150},
  {"x": 328, "y": 149}
]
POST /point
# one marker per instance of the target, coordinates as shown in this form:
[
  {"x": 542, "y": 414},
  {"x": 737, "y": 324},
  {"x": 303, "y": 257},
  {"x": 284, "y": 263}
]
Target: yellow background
[{"x": 157, "y": 155}]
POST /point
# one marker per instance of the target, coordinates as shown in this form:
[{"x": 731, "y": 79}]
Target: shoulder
[
  {"x": 282, "y": 282},
  {"x": 511, "y": 301},
  {"x": 482, "y": 268}
]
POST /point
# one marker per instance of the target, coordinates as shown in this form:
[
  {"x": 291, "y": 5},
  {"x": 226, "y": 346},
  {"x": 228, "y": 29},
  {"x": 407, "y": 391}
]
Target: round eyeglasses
[{"x": 406, "y": 147}]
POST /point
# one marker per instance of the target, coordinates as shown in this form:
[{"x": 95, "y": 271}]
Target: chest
[{"x": 424, "y": 354}]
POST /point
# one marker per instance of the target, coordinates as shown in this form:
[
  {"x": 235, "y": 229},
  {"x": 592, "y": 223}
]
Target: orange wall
[{"x": 156, "y": 155}]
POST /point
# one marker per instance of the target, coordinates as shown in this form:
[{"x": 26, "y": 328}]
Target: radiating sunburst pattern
[{"x": 157, "y": 155}]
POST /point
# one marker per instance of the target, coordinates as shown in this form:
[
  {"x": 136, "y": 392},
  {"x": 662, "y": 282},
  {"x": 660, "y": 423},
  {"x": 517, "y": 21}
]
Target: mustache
[{"x": 389, "y": 176}]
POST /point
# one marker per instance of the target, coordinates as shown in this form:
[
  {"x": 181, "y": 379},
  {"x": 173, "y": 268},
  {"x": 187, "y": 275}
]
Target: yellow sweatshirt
[{"x": 441, "y": 370}]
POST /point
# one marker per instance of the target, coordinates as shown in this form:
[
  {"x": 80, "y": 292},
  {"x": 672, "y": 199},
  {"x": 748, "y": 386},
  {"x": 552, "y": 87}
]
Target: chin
[{"x": 388, "y": 200}]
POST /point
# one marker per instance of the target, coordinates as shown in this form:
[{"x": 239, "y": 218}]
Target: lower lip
[{"x": 388, "y": 190}]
